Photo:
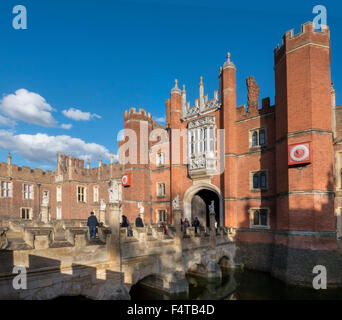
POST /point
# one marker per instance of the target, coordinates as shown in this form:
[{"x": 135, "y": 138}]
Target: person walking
[
  {"x": 164, "y": 227},
  {"x": 196, "y": 224},
  {"x": 186, "y": 224},
  {"x": 92, "y": 224},
  {"x": 138, "y": 222},
  {"x": 124, "y": 223}
]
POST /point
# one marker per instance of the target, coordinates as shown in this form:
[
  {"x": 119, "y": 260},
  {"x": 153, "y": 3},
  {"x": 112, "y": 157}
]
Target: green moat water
[{"x": 245, "y": 285}]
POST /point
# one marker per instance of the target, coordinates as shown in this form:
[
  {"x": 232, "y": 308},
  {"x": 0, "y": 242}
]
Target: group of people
[
  {"x": 126, "y": 224},
  {"x": 93, "y": 224},
  {"x": 195, "y": 223}
]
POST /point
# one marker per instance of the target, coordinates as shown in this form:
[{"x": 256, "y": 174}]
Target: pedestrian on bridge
[
  {"x": 138, "y": 222},
  {"x": 92, "y": 224},
  {"x": 196, "y": 223},
  {"x": 186, "y": 224},
  {"x": 125, "y": 224}
]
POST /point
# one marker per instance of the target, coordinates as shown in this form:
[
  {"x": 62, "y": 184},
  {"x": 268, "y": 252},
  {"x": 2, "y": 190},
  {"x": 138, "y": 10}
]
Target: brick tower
[
  {"x": 305, "y": 197},
  {"x": 303, "y": 114},
  {"x": 141, "y": 124}
]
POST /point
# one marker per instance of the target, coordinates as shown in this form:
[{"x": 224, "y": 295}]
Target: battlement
[
  {"x": 243, "y": 113},
  {"x": 308, "y": 35},
  {"x": 137, "y": 115}
]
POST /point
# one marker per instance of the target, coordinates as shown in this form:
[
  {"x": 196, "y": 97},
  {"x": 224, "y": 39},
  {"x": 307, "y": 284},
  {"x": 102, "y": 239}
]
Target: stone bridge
[{"x": 60, "y": 259}]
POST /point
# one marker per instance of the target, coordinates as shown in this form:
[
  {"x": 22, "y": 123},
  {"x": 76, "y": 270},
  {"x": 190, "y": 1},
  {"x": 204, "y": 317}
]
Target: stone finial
[
  {"x": 184, "y": 110},
  {"x": 333, "y": 96},
  {"x": 100, "y": 162},
  {"x": 201, "y": 93},
  {"x": 88, "y": 163},
  {"x": 175, "y": 89},
  {"x": 229, "y": 63},
  {"x": 111, "y": 157},
  {"x": 9, "y": 158}
]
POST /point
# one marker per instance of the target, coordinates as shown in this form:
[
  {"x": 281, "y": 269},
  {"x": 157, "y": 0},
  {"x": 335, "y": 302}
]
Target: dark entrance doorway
[{"x": 199, "y": 206}]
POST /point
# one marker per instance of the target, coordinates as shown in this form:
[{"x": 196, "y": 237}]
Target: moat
[{"x": 250, "y": 285}]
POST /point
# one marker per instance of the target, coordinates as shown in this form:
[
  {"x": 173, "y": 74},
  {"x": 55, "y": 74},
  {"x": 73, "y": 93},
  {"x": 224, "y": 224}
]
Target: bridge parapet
[{"x": 145, "y": 251}]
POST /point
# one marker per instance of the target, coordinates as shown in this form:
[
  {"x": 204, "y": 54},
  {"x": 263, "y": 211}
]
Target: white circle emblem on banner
[{"x": 299, "y": 153}]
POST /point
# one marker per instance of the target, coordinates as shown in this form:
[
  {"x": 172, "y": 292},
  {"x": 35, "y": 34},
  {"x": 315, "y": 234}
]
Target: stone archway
[
  {"x": 200, "y": 190},
  {"x": 199, "y": 206}
]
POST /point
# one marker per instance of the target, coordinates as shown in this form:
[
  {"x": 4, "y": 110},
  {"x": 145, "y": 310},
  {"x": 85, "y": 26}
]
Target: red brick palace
[{"x": 275, "y": 174}]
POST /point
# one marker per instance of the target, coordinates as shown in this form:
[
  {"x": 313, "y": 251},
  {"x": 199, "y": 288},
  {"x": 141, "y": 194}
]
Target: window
[
  {"x": 161, "y": 191},
  {"x": 259, "y": 180},
  {"x": 161, "y": 216},
  {"x": 25, "y": 213},
  {"x": 263, "y": 184},
  {"x": 59, "y": 213},
  {"x": 262, "y": 139},
  {"x": 202, "y": 139},
  {"x": 6, "y": 188},
  {"x": 257, "y": 137},
  {"x": 59, "y": 193},
  {"x": 255, "y": 181},
  {"x": 81, "y": 194},
  {"x": 259, "y": 218},
  {"x": 28, "y": 191},
  {"x": 160, "y": 159},
  {"x": 96, "y": 194}
]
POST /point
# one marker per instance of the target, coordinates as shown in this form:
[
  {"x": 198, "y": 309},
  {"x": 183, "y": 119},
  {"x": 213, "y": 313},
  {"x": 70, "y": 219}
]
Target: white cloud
[
  {"x": 160, "y": 119},
  {"x": 42, "y": 148},
  {"x": 66, "y": 126},
  {"x": 6, "y": 122},
  {"x": 28, "y": 107},
  {"x": 79, "y": 115}
]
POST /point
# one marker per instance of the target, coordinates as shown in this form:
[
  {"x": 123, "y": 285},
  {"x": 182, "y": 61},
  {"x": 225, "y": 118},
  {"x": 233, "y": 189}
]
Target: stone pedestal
[
  {"x": 102, "y": 217},
  {"x": 44, "y": 214},
  {"x": 212, "y": 231},
  {"x": 179, "y": 234},
  {"x": 113, "y": 245},
  {"x": 214, "y": 270}
]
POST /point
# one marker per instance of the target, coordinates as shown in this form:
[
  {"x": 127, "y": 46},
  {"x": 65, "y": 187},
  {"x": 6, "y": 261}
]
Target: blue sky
[{"x": 103, "y": 57}]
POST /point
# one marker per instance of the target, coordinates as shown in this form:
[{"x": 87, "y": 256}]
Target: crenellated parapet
[
  {"x": 252, "y": 109},
  {"x": 242, "y": 113},
  {"x": 133, "y": 114},
  {"x": 13, "y": 171},
  {"x": 307, "y": 36}
]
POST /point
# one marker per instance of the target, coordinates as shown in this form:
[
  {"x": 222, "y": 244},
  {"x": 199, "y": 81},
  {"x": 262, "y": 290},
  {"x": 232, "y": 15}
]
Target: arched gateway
[{"x": 197, "y": 199}]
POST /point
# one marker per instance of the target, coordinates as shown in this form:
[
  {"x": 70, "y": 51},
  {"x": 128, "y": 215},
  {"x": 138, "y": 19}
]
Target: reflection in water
[{"x": 238, "y": 285}]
